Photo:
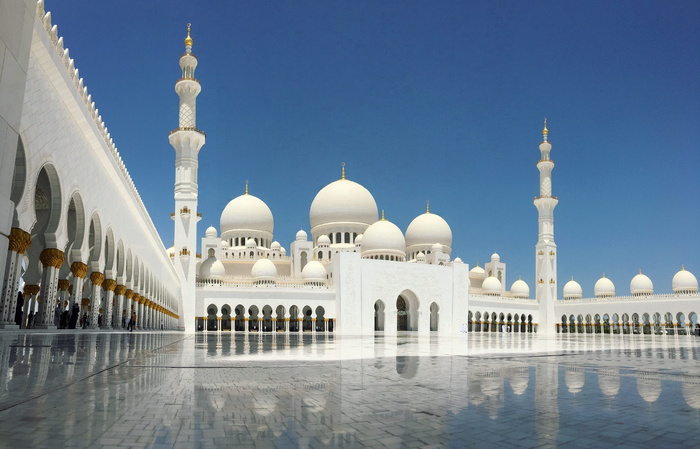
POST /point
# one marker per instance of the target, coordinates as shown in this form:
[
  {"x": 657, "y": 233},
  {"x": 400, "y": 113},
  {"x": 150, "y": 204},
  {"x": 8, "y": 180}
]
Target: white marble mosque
[{"x": 70, "y": 242}]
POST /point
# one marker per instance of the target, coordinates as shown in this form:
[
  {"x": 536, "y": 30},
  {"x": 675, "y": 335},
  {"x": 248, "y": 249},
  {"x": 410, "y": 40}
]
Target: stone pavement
[{"x": 172, "y": 390}]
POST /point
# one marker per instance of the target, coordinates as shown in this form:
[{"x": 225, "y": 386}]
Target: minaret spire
[
  {"x": 546, "y": 249},
  {"x": 187, "y": 140}
]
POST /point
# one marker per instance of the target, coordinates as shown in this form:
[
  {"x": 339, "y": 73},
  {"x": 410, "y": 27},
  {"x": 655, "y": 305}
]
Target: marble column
[
  {"x": 108, "y": 286},
  {"x": 18, "y": 245},
  {"x": 128, "y": 303},
  {"x": 30, "y": 293},
  {"x": 51, "y": 259},
  {"x": 79, "y": 271},
  {"x": 119, "y": 292},
  {"x": 96, "y": 278}
]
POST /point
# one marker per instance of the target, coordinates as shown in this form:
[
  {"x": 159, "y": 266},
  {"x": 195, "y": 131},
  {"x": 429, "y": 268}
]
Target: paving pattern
[{"x": 171, "y": 390}]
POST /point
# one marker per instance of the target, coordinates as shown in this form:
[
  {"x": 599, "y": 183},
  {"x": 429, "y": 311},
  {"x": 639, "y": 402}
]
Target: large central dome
[
  {"x": 247, "y": 212},
  {"x": 343, "y": 201}
]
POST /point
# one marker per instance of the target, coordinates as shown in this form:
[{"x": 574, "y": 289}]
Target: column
[
  {"x": 79, "y": 271},
  {"x": 95, "y": 297},
  {"x": 128, "y": 303},
  {"x": 119, "y": 292},
  {"x": 108, "y": 286},
  {"x": 30, "y": 292},
  {"x": 18, "y": 245},
  {"x": 51, "y": 259},
  {"x": 135, "y": 307}
]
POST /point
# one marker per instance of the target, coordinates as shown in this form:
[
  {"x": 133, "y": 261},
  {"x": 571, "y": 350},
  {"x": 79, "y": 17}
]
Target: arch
[
  {"x": 615, "y": 325},
  {"x": 303, "y": 259},
  {"x": 75, "y": 228},
  {"x": 379, "y": 309},
  {"x": 294, "y": 319},
  {"x": 19, "y": 179},
  {"x": 239, "y": 318},
  {"x": 646, "y": 327},
  {"x": 120, "y": 263},
  {"x": 253, "y": 325},
  {"x": 494, "y": 322},
  {"x": 589, "y": 324},
  {"x": 681, "y": 324},
  {"x": 434, "y": 316},
  {"x": 516, "y": 323},
  {"x": 307, "y": 319},
  {"x": 95, "y": 241},
  {"x": 110, "y": 256},
  {"x": 470, "y": 321},
  {"x": 267, "y": 319},
  {"x": 47, "y": 200},
  {"x": 226, "y": 318},
  {"x": 280, "y": 311},
  {"x": 320, "y": 319},
  {"x": 212, "y": 324}
]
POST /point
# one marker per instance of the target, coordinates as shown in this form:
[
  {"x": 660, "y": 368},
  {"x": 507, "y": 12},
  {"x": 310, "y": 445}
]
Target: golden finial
[
  {"x": 188, "y": 39},
  {"x": 383, "y": 215},
  {"x": 545, "y": 131},
  {"x": 572, "y": 278},
  {"x": 427, "y": 207},
  {"x": 640, "y": 271},
  {"x": 342, "y": 171},
  {"x": 603, "y": 274},
  {"x": 246, "y": 187},
  {"x": 682, "y": 267}
]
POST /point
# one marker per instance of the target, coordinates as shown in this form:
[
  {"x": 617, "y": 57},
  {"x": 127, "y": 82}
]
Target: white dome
[
  {"x": 358, "y": 239},
  {"x": 520, "y": 289},
  {"x": 495, "y": 257},
  {"x": 224, "y": 244},
  {"x": 383, "y": 237},
  {"x": 247, "y": 212},
  {"x": 210, "y": 232},
  {"x": 283, "y": 251},
  {"x": 641, "y": 285},
  {"x": 457, "y": 260},
  {"x": 212, "y": 269},
  {"x": 604, "y": 287},
  {"x": 275, "y": 245},
  {"x": 492, "y": 286},
  {"x": 250, "y": 243},
  {"x": 301, "y": 235},
  {"x": 427, "y": 229},
  {"x": 314, "y": 271},
  {"x": 420, "y": 256},
  {"x": 324, "y": 240},
  {"x": 572, "y": 290},
  {"x": 684, "y": 282},
  {"x": 264, "y": 269},
  {"x": 477, "y": 272},
  {"x": 436, "y": 247},
  {"x": 343, "y": 201}
]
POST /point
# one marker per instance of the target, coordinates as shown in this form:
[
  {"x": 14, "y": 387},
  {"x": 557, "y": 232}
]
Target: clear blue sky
[{"x": 439, "y": 101}]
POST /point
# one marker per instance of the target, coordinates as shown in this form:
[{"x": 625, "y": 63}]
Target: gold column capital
[
  {"x": 129, "y": 293},
  {"x": 52, "y": 257},
  {"x": 109, "y": 285},
  {"x": 30, "y": 290},
  {"x": 97, "y": 278},
  {"x": 79, "y": 269},
  {"x": 119, "y": 290},
  {"x": 136, "y": 297},
  {"x": 63, "y": 284},
  {"x": 19, "y": 240}
]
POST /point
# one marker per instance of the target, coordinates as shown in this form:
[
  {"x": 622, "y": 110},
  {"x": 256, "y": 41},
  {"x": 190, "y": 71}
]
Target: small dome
[
  {"x": 324, "y": 240},
  {"x": 477, "y": 272},
  {"x": 170, "y": 251},
  {"x": 495, "y": 257},
  {"x": 224, "y": 244},
  {"x": 420, "y": 256},
  {"x": 210, "y": 232},
  {"x": 436, "y": 247},
  {"x": 457, "y": 260},
  {"x": 358, "y": 239},
  {"x": 283, "y": 251},
  {"x": 492, "y": 286},
  {"x": 275, "y": 245},
  {"x": 301, "y": 235},
  {"x": 641, "y": 285},
  {"x": 383, "y": 237},
  {"x": 250, "y": 243},
  {"x": 573, "y": 290},
  {"x": 264, "y": 270},
  {"x": 684, "y": 282},
  {"x": 314, "y": 271},
  {"x": 247, "y": 212},
  {"x": 604, "y": 288},
  {"x": 343, "y": 201},
  {"x": 520, "y": 289},
  {"x": 427, "y": 229},
  {"x": 212, "y": 269}
]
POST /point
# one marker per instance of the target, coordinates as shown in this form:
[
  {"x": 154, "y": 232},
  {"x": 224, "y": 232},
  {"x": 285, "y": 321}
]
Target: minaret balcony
[{"x": 188, "y": 128}]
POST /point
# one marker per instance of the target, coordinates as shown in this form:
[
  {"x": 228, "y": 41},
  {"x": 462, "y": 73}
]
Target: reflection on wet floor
[{"x": 310, "y": 390}]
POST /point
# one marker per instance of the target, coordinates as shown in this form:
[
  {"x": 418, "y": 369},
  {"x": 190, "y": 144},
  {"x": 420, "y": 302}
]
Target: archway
[
  {"x": 307, "y": 320},
  {"x": 320, "y": 317},
  {"x": 211, "y": 318},
  {"x": 239, "y": 323},
  {"x": 281, "y": 323},
  {"x": 267, "y": 319},
  {"x": 226, "y": 318},
  {"x": 434, "y": 316},
  {"x": 379, "y": 315},
  {"x": 294, "y": 319},
  {"x": 253, "y": 319}
]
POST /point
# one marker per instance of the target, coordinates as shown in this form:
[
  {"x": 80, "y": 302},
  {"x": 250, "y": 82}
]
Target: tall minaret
[
  {"x": 546, "y": 258},
  {"x": 186, "y": 140}
]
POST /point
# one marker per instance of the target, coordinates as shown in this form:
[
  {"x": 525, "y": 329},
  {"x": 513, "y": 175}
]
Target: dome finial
[
  {"x": 188, "y": 39},
  {"x": 545, "y": 131},
  {"x": 383, "y": 219},
  {"x": 427, "y": 207},
  {"x": 682, "y": 267},
  {"x": 640, "y": 271},
  {"x": 246, "y": 187},
  {"x": 342, "y": 171}
]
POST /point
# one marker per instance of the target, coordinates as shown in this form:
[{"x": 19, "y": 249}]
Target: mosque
[{"x": 72, "y": 242}]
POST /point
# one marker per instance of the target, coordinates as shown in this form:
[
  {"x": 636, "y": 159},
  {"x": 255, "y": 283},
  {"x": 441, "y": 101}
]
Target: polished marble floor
[{"x": 171, "y": 390}]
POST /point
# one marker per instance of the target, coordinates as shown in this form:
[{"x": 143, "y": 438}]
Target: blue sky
[{"x": 439, "y": 101}]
